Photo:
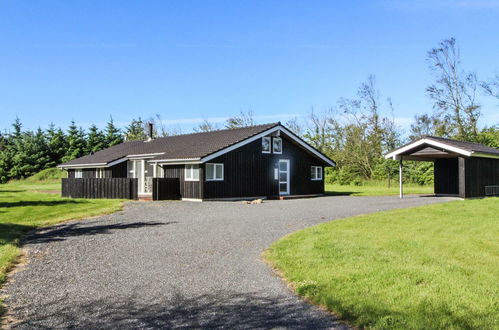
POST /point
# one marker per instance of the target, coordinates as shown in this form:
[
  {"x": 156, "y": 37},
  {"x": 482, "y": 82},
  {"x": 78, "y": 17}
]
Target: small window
[
  {"x": 214, "y": 172},
  {"x": 266, "y": 145},
  {"x": 78, "y": 174},
  {"x": 316, "y": 173},
  {"x": 191, "y": 172},
  {"x": 277, "y": 145},
  {"x": 99, "y": 173}
]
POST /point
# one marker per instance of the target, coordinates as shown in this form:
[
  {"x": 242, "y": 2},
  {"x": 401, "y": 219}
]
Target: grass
[
  {"x": 375, "y": 188},
  {"x": 24, "y": 206},
  {"x": 430, "y": 267}
]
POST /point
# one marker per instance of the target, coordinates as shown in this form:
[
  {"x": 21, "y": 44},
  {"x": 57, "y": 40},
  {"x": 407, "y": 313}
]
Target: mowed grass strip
[
  {"x": 429, "y": 267},
  {"x": 23, "y": 208},
  {"x": 375, "y": 188}
]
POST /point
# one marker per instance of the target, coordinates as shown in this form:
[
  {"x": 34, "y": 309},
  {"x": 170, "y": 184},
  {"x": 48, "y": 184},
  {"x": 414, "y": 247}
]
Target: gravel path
[{"x": 174, "y": 265}]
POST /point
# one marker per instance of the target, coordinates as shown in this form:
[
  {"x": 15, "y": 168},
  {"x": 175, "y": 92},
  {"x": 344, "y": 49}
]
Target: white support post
[{"x": 401, "y": 194}]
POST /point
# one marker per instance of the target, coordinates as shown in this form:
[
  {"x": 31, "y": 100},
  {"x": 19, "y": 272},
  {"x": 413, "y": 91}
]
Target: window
[
  {"x": 266, "y": 144},
  {"x": 214, "y": 172},
  {"x": 78, "y": 174},
  {"x": 316, "y": 173},
  {"x": 191, "y": 172},
  {"x": 277, "y": 145},
  {"x": 99, "y": 173}
]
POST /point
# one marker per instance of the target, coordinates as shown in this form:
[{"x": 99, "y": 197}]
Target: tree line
[{"x": 356, "y": 132}]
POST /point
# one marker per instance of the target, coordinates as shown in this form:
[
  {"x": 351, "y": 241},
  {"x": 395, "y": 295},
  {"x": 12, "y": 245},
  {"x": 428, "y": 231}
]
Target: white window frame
[
  {"x": 189, "y": 172},
  {"x": 215, "y": 165},
  {"x": 315, "y": 170},
  {"x": 267, "y": 138},
  {"x": 275, "y": 139},
  {"x": 99, "y": 173},
  {"x": 78, "y": 173}
]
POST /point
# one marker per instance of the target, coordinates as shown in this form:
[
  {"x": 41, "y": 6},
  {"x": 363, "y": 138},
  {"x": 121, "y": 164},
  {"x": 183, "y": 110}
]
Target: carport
[{"x": 463, "y": 169}]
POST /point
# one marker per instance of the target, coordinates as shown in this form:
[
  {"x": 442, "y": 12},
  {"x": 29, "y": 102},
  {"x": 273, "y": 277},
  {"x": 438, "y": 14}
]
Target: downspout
[{"x": 401, "y": 188}]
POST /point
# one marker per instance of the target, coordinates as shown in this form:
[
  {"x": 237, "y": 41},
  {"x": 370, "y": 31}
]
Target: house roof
[
  {"x": 439, "y": 145},
  {"x": 184, "y": 147}
]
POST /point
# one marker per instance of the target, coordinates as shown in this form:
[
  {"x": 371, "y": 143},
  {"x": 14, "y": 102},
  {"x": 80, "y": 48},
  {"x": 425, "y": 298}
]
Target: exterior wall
[
  {"x": 249, "y": 173},
  {"x": 116, "y": 171},
  {"x": 476, "y": 174},
  {"x": 188, "y": 189},
  {"x": 446, "y": 176}
]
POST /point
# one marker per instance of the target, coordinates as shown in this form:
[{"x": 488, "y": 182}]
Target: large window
[
  {"x": 316, "y": 173},
  {"x": 191, "y": 172},
  {"x": 266, "y": 144},
  {"x": 78, "y": 174},
  {"x": 214, "y": 172},
  {"x": 277, "y": 145}
]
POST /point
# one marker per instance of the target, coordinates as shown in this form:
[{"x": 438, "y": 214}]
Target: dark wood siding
[
  {"x": 446, "y": 176},
  {"x": 188, "y": 189},
  {"x": 116, "y": 171},
  {"x": 479, "y": 172},
  {"x": 249, "y": 173},
  {"x": 122, "y": 188}
]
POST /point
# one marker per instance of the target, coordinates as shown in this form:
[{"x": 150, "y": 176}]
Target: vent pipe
[{"x": 151, "y": 129}]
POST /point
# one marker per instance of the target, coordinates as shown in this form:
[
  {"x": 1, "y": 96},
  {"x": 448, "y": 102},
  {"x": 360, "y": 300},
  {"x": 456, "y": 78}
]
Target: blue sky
[{"x": 195, "y": 60}]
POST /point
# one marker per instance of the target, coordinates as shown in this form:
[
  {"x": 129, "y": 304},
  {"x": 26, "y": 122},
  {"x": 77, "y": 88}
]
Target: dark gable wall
[
  {"x": 477, "y": 173},
  {"x": 249, "y": 173}
]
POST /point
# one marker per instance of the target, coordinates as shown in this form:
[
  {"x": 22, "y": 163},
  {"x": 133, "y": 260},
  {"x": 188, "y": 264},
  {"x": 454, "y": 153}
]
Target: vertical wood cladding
[
  {"x": 116, "y": 171},
  {"x": 122, "y": 188},
  {"x": 248, "y": 172},
  {"x": 188, "y": 189},
  {"x": 480, "y": 172},
  {"x": 446, "y": 179}
]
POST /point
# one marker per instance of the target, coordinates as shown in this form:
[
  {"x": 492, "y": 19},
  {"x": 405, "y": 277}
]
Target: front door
[
  {"x": 143, "y": 172},
  {"x": 283, "y": 176}
]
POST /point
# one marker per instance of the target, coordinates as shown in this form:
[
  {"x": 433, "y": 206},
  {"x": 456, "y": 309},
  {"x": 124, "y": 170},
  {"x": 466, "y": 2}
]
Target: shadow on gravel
[
  {"x": 61, "y": 232},
  {"x": 208, "y": 311}
]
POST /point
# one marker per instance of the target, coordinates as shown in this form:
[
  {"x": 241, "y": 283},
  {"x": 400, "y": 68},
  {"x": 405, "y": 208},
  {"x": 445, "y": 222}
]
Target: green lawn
[
  {"x": 376, "y": 189},
  {"x": 25, "y": 205},
  {"x": 429, "y": 267}
]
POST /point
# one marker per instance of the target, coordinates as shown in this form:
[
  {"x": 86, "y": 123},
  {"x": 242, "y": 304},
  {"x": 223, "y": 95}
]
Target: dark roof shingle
[{"x": 186, "y": 146}]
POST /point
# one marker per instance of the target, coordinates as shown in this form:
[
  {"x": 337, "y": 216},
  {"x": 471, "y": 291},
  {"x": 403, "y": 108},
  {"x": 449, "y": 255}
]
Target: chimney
[{"x": 151, "y": 129}]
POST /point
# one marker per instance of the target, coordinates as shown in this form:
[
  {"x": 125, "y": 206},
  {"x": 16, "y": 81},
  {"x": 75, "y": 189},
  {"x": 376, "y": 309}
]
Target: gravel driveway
[{"x": 174, "y": 265}]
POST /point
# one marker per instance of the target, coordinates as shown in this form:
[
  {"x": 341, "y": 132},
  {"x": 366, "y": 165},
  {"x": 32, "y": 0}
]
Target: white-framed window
[
  {"x": 277, "y": 145},
  {"x": 191, "y": 172},
  {"x": 266, "y": 145},
  {"x": 78, "y": 174},
  {"x": 99, "y": 173},
  {"x": 316, "y": 173},
  {"x": 214, "y": 172}
]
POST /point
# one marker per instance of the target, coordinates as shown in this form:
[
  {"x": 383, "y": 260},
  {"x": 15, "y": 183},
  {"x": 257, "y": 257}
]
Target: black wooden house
[
  {"x": 463, "y": 169},
  {"x": 264, "y": 161}
]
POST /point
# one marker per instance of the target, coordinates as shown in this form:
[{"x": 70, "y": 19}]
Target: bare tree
[
  {"x": 491, "y": 88},
  {"x": 244, "y": 119},
  {"x": 294, "y": 126},
  {"x": 206, "y": 126},
  {"x": 454, "y": 92}
]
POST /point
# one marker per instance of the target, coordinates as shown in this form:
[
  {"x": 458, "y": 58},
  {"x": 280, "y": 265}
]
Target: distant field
[
  {"x": 374, "y": 188},
  {"x": 430, "y": 267},
  {"x": 26, "y": 205}
]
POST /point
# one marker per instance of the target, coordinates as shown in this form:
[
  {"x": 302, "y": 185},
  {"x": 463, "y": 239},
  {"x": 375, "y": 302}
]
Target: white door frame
[
  {"x": 287, "y": 182},
  {"x": 141, "y": 176}
]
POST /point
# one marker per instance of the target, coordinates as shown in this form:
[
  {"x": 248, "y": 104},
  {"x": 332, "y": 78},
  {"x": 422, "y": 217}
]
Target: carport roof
[{"x": 433, "y": 147}]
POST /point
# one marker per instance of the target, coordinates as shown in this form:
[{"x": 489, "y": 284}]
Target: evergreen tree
[
  {"x": 113, "y": 134},
  {"x": 96, "y": 140},
  {"x": 76, "y": 143},
  {"x": 135, "y": 131},
  {"x": 57, "y": 144}
]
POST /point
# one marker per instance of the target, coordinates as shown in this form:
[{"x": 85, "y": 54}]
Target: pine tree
[
  {"x": 76, "y": 143},
  {"x": 135, "y": 131},
  {"x": 57, "y": 144},
  {"x": 96, "y": 140},
  {"x": 113, "y": 134}
]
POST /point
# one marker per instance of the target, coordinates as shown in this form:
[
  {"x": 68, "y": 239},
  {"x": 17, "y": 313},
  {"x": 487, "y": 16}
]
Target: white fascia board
[
  {"x": 262, "y": 134},
  {"x": 484, "y": 155},
  {"x": 179, "y": 161},
  {"x": 95, "y": 165},
  {"x": 117, "y": 161},
  {"x": 396, "y": 154}
]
